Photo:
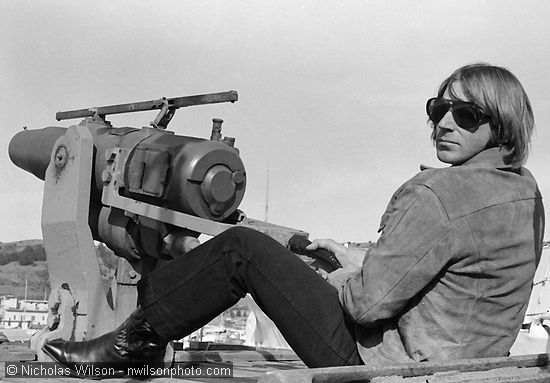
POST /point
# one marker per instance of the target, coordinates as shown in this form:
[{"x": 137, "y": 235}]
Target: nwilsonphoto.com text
[{"x": 176, "y": 370}]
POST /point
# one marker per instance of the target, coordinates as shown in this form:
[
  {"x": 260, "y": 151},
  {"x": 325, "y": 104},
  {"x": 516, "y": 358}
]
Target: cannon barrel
[
  {"x": 202, "y": 177},
  {"x": 31, "y": 149}
]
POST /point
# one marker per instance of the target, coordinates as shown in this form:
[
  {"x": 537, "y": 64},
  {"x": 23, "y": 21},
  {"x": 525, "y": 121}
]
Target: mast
[{"x": 266, "y": 212}]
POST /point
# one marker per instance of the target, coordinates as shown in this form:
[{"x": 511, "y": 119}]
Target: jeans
[{"x": 187, "y": 293}]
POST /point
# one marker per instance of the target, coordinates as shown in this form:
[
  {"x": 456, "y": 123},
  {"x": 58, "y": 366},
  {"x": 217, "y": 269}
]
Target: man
[{"x": 450, "y": 276}]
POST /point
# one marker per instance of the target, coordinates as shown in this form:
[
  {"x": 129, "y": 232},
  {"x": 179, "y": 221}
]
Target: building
[
  {"x": 534, "y": 337},
  {"x": 539, "y": 303},
  {"x": 24, "y": 314}
]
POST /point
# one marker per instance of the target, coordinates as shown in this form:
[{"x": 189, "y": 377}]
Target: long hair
[{"x": 500, "y": 95}]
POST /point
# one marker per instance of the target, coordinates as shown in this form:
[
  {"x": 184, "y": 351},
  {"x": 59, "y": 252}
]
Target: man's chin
[{"x": 445, "y": 156}]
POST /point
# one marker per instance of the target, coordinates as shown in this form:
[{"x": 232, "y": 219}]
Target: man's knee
[
  {"x": 239, "y": 237},
  {"x": 240, "y": 233}
]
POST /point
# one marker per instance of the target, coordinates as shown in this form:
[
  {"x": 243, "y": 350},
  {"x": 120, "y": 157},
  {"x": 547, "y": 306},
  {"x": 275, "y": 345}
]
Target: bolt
[
  {"x": 238, "y": 177},
  {"x": 132, "y": 274},
  {"x": 60, "y": 157},
  {"x": 110, "y": 155},
  {"x": 216, "y": 210},
  {"x": 106, "y": 176}
]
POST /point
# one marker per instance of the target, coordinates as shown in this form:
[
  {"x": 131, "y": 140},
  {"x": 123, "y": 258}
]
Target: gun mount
[{"x": 146, "y": 193}]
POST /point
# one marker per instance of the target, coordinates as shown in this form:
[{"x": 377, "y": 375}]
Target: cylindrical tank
[{"x": 192, "y": 175}]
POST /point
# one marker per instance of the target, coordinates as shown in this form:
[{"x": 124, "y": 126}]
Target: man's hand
[{"x": 350, "y": 259}]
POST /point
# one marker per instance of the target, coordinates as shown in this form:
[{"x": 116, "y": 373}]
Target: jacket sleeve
[{"x": 411, "y": 251}]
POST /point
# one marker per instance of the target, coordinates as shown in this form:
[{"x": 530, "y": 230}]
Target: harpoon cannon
[{"x": 146, "y": 193}]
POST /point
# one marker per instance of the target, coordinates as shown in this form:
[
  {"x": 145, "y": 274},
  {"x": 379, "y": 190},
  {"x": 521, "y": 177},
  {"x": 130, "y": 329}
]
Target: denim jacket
[{"x": 453, "y": 268}]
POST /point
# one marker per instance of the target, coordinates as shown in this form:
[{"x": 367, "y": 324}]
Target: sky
[{"x": 331, "y": 113}]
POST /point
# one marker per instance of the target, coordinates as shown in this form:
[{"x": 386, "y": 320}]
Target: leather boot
[{"x": 133, "y": 343}]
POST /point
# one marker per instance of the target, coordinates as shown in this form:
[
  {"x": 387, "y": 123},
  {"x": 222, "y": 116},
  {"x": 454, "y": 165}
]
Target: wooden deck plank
[
  {"x": 248, "y": 365},
  {"x": 283, "y": 366},
  {"x": 367, "y": 373},
  {"x": 15, "y": 351},
  {"x": 501, "y": 375}
]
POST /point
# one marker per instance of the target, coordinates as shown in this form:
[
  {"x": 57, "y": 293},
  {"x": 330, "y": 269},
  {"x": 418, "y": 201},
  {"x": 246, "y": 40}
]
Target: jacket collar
[
  {"x": 488, "y": 158},
  {"x": 491, "y": 158}
]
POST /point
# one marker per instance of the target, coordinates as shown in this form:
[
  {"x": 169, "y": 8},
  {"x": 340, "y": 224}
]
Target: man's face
[{"x": 455, "y": 145}]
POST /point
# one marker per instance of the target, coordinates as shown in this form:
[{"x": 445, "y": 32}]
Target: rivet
[{"x": 60, "y": 158}]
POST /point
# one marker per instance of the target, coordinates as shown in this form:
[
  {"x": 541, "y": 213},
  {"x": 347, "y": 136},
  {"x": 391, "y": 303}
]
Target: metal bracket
[
  {"x": 113, "y": 180},
  {"x": 68, "y": 242},
  {"x": 96, "y": 116},
  {"x": 165, "y": 115}
]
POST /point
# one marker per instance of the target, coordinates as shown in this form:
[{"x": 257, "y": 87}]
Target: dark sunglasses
[{"x": 467, "y": 115}]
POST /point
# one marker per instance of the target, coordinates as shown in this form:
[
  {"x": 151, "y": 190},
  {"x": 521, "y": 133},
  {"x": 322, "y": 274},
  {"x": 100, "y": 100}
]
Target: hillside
[
  {"x": 13, "y": 277},
  {"x": 26, "y": 261}
]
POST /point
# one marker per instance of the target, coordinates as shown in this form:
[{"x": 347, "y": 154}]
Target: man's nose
[{"x": 447, "y": 122}]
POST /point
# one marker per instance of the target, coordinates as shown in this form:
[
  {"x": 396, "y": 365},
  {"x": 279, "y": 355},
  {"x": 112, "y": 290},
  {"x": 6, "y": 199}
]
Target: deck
[
  {"x": 278, "y": 366},
  {"x": 248, "y": 364}
]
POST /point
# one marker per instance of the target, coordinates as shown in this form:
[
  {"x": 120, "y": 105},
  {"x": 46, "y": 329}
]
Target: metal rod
[{"x": 175, "y": 103}]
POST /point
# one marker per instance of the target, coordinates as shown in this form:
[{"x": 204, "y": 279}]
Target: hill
[
  {"x": 13, "y": 277},
  {"x": 24, "y": 262}
]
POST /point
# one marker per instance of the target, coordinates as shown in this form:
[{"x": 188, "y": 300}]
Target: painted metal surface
[{"x": 68, "y": 241}]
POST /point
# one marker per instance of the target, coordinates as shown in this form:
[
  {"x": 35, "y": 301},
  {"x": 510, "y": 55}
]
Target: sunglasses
[{"x": 467, "y": 115}]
